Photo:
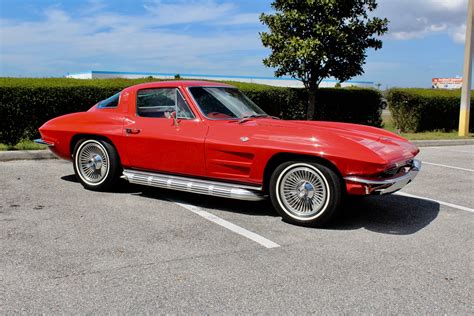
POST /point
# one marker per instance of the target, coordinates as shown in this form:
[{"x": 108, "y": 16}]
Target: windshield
[{"x": 224, "y": 103}]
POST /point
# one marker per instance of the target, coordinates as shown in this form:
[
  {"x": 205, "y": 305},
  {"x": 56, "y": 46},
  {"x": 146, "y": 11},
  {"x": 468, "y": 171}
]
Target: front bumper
[
  {"x": 43, "y": 142},
  {"x": 385, "y": 186}
]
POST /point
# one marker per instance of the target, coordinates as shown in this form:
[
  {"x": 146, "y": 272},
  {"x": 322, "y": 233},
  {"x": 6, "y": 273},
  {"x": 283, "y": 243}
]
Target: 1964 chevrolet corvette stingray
[{"x": 209, "y": 138}]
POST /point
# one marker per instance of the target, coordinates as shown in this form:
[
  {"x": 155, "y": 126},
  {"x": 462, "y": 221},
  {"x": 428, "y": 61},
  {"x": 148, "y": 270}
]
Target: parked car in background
[{"x": 209, "y": 138}]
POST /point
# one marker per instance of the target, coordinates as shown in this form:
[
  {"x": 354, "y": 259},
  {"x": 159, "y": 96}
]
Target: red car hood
[{"x": 386, "y": 145}]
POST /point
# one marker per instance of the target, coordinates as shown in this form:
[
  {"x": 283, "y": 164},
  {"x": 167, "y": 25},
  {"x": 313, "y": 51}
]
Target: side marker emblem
[{"x": 244, "y": 138}]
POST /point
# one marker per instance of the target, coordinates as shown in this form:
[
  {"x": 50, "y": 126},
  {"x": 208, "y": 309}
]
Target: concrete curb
[
  {"x": 444, "y": 142},
  {"x": 26, "y": 155},
  {"x": 46, "y": 154}
]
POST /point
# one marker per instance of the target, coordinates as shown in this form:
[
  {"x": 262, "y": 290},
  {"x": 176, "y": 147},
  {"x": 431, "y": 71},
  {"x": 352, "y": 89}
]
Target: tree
[{"x": 315, "y": 39}]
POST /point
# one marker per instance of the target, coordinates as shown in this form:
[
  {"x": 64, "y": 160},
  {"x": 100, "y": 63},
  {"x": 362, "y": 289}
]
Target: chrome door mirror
[{"x": 172, "y": 115}]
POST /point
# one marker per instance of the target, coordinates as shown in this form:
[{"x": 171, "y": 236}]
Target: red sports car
[{"x": 209, "y": 138}]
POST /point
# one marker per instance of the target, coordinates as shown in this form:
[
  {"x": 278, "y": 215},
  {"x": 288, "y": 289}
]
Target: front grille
[{"x": 399, "y": 169}]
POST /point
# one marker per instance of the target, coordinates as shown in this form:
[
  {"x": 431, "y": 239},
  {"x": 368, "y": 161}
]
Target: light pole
[{"x": 467, "y": 76}]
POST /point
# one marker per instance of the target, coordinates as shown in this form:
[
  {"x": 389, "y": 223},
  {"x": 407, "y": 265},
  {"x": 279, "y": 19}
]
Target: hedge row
[
  {"x": 419, "y": 110},
  {"x": 25, "y": 104}
]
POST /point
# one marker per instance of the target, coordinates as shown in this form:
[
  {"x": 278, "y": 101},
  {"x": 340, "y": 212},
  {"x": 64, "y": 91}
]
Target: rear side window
[{"x": 111, "y": 102}]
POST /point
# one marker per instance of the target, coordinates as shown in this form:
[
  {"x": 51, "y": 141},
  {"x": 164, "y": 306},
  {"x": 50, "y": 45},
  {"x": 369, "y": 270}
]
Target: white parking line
[
  {"x": 459, "y": 207},
  {"x": 222, "y": 222},
  {"x": 446, "y": 166}
]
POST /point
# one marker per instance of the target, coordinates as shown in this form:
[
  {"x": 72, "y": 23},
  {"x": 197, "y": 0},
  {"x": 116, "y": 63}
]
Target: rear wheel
[
  {"x": 305, "y": 193},
  {"x": 96, "y": 164}
]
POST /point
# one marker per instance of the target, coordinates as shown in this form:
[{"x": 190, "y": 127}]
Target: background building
[{"x": 278, "y": 82}]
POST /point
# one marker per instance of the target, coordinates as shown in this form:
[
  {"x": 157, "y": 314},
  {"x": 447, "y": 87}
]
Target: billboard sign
[{"x": 446, "y": 83}]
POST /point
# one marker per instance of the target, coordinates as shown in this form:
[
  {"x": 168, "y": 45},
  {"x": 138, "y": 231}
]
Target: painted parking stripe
[
  {"x": 230, "y": 226},
  {"x": 459, "y": 207},
  {"x": 446, "y": 166}
]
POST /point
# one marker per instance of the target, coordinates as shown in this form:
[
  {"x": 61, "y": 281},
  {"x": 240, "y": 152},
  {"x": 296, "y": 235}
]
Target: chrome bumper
[
  {"x": 390, "y": 185},
  {"x": 43, "y": 142}
]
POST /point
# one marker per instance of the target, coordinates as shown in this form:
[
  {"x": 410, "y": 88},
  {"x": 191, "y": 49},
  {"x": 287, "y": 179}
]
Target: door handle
[{"x": 132, "y": 130}]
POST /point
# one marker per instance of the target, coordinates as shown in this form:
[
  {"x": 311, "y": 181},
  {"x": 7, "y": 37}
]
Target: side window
[
  {"x": 160, "y": 102},
  {"x": 182, "y": 107},
  {"x": 111, "y": 102},
  {"x": 155, "y": 102}
]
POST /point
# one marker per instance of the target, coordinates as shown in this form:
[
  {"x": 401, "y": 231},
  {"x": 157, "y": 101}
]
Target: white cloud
[
  {"x": 459, "y": 34},
  {"x": 92, "y": 6},
  {"x": 178, "y": 12},
  {"x": 417, "y": 19},
  {"x": 447, "y": 4},
  {"x": 162, "y": 36},
  {"x": 60, "y": 42},
  {"x": 243, "y": 18}
]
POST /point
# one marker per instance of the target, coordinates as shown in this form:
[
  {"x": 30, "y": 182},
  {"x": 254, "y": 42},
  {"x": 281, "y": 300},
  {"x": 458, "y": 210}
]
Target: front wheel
[
  {"x": 305, "y": 193},
  {"x": 96, "y": 164}
]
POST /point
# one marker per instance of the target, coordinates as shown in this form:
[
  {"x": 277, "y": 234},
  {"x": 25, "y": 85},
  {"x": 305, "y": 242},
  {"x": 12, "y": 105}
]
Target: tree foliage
[{"x": 315, "y": 39}]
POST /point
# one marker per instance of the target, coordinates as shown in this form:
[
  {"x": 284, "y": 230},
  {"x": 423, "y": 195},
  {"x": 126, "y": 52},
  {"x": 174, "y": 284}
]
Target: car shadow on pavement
[
  {"x": 121, "y": 187},
  {"x": 260, "y": 208},
  {"x": 388, "y": 214},
  {"x": 70, "y": 178}
]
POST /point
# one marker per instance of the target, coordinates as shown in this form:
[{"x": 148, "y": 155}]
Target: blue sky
[{"x": 45, "y": 38}]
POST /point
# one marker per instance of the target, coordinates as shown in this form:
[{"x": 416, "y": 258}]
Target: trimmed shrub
[
  {"x": 419, "y": 110},
  {"x": 25, "y": 104},
  {"x": 360, "y": 106},
  {"x": 24, "y": 109}
]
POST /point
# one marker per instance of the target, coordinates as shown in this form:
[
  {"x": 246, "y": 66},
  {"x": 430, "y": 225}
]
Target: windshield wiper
[{"x": 248, "y": 117}]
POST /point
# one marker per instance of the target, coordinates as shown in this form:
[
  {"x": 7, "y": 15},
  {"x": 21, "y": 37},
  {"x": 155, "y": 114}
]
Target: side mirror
[{"x": 173, "y": 116}]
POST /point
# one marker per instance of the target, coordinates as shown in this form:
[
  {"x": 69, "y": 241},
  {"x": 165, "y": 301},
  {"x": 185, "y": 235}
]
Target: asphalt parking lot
[{"x": 68, "y": 250}]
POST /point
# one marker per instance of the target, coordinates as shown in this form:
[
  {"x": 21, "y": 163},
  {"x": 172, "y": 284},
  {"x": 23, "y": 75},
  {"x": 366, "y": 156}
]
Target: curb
[
  {"x": 443, "y": 142},
  {"x": 46, "y": 154},
  {"x": 26, "y": 155}
]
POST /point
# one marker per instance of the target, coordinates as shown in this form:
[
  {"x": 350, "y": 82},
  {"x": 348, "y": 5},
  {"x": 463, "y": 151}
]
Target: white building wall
[
  {"x": 80, "y": 75},
  {"x": 276, "y": 82}
]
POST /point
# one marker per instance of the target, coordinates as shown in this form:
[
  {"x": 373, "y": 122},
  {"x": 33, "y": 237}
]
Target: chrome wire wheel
[
  {"x": 303, "y": 191},
  {"x": 92, "y": 162}
]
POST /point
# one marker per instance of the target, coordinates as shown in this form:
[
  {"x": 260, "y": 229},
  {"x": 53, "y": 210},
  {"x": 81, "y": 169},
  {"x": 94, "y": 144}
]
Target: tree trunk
[{"x": 311, "y": 102}]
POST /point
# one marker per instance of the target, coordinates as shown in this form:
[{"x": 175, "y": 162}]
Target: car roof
[{"x": 180, "y": 83}]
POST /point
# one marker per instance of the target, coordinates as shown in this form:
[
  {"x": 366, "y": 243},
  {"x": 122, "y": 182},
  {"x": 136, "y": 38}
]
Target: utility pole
[{"x": 467, "y": 76}]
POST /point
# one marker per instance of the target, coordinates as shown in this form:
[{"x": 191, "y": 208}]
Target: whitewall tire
[
  {"x": 305, "y": 193},
  {"x": 96, "y": 164}
]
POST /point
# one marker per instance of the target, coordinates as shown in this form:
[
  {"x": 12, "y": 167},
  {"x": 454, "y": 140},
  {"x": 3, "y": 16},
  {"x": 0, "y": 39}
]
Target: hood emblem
[{"x": 244, "y": 138}]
